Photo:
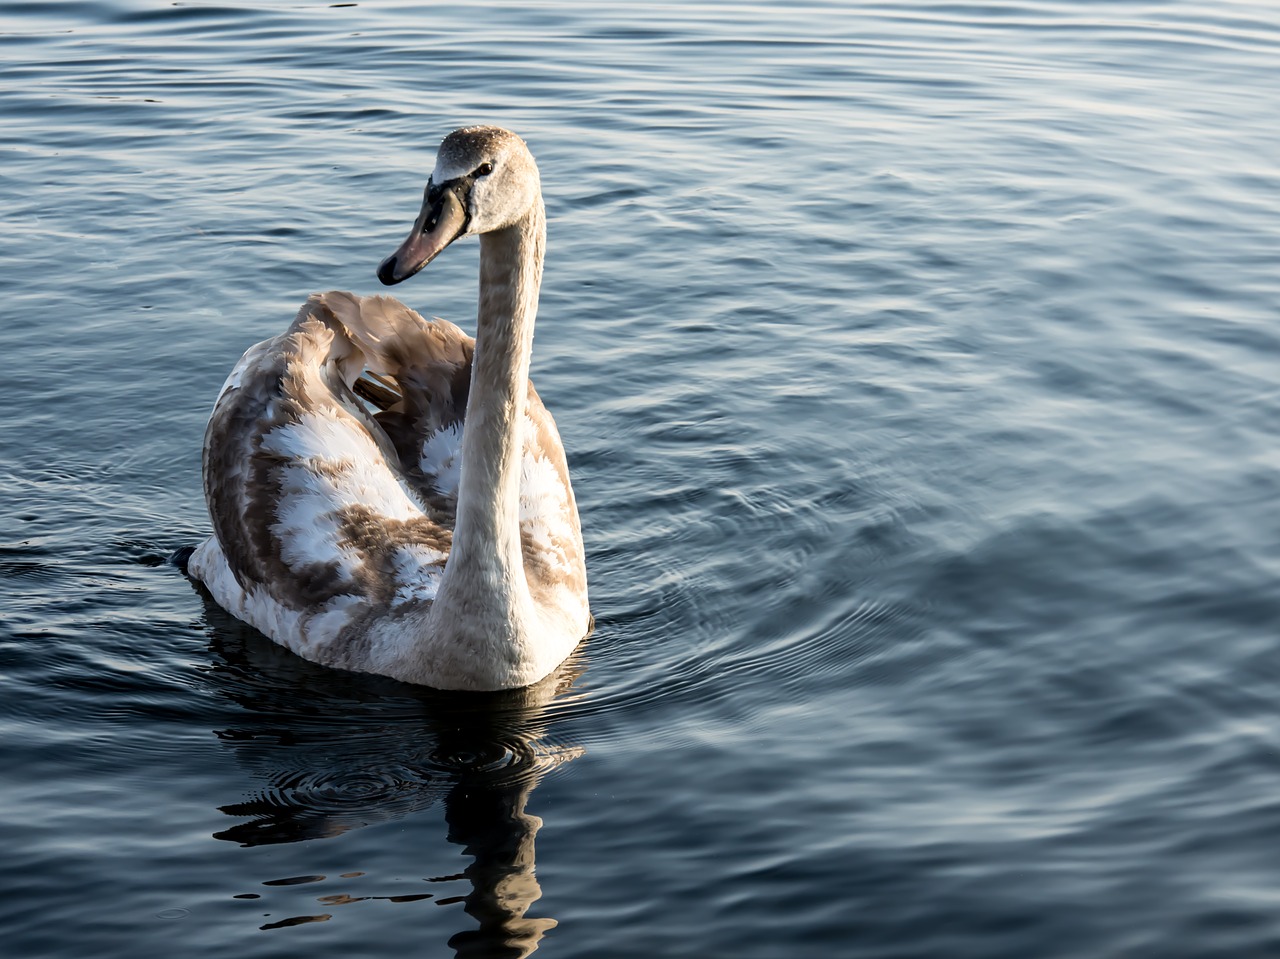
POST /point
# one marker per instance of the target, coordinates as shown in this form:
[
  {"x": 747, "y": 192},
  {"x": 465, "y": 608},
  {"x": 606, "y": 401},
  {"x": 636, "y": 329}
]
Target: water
[{"x": 917, "y": 365}]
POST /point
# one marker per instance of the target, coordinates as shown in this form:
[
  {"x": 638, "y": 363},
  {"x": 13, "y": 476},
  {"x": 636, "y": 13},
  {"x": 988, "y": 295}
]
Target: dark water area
[{"x": 917, "y": 365}]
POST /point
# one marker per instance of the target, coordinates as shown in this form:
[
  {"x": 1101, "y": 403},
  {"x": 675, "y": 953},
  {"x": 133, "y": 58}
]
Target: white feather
[
  {"x": 441, "y": 459},
  {"x": 418, "y": 571}
]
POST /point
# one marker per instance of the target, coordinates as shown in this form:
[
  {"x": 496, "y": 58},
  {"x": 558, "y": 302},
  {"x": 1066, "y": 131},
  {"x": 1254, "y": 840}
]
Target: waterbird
[{"x": 389, "y": 495}]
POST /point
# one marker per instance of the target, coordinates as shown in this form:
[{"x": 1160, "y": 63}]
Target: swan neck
[{"x": 486, "y": 558}]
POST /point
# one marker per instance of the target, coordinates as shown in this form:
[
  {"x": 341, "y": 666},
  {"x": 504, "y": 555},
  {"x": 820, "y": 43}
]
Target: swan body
[{"x": 435, "y": 540}]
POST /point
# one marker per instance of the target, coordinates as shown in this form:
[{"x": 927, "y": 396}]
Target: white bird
[{"x": 436, "y": 540}]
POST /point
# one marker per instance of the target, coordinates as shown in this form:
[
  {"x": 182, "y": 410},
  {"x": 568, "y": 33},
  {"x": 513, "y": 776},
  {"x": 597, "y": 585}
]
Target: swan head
[{"x": 484, "y": 180}]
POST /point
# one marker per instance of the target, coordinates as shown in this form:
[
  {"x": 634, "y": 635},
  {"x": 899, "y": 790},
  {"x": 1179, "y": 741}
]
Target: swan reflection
[{"x": 332, "y": 752}]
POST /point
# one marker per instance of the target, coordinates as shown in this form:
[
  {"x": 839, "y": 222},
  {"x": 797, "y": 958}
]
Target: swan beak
[{"x": 440, "y": 222}]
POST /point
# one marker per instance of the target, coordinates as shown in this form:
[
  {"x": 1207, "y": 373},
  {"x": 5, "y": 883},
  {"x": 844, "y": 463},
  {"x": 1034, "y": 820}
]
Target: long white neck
[
  {"x": 483, "y": 609},
  {"x": 487, "y": 532}
]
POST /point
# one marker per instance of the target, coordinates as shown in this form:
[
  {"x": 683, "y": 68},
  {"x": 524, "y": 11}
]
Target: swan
[{"x": 432, "y": 535}]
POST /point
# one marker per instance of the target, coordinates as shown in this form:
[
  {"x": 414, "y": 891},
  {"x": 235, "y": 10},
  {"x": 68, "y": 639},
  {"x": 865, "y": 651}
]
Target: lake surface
[{"x": 919, "y": 370}]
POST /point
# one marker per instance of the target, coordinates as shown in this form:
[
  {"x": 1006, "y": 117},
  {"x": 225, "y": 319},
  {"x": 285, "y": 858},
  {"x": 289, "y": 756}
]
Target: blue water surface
[{"x": 917, "y": 363}]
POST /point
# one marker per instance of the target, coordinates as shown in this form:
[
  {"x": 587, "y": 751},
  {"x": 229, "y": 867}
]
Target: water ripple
[{"x": 916, "y": 367}]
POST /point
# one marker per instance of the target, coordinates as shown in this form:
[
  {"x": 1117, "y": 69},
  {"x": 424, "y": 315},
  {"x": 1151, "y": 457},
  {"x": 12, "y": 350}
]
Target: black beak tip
[{"x": 387, "y": 271}]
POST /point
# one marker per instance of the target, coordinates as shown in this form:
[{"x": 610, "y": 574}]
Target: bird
[{"x": 389, "y": 495}]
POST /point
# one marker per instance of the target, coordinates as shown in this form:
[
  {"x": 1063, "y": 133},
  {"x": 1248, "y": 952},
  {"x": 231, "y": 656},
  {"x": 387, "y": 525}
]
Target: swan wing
[{"x": 315, "y": 525}]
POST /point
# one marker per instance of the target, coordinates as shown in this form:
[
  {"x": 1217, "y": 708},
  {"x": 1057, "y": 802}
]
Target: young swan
[{"x": 436, "y": 541}]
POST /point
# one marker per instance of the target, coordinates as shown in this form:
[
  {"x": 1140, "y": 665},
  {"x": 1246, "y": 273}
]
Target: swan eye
[{"x": 484, "y": 169}]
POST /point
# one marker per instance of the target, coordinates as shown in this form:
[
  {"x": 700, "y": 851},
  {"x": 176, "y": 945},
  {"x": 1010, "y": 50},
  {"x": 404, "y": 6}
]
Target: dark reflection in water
[{"x": 339, "y": 751}]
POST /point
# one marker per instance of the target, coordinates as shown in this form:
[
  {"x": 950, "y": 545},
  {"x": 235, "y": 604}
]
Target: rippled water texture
[{"x": 918, "y": 366}]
